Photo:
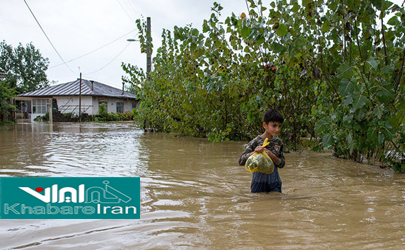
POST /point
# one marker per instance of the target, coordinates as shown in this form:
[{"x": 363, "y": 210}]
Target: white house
[{"x": 84, "y": 94}]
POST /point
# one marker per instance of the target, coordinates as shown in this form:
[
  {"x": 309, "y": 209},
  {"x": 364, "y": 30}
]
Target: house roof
[{"x": 73, "y": 89}]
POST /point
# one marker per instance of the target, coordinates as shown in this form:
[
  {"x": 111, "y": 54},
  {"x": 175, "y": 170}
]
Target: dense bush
[
  {"x": 126, "y": 116},
  {"x": 104, "y": 116}
]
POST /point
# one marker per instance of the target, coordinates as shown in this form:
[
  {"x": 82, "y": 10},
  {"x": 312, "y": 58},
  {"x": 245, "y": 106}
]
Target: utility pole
[
  {"x": 148, "y": 48},
  {"x": 80, "y": 99},
  {"x": 148, "y": 55}
]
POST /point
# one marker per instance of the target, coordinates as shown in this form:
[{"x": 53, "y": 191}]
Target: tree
[
  {"x": 25, "y": 67},
  {"x": 6, "y": 94}
]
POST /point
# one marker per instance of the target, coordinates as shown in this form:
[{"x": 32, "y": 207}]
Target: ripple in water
[{"x": 194, "y": 195}]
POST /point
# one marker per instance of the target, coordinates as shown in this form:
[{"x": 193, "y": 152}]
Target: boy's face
[{"x": 272, "y": 128}]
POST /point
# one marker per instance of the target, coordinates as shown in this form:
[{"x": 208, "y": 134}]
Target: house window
[
  {"x": 120, "y": 107},
  {"x": 40, "y": 106}
]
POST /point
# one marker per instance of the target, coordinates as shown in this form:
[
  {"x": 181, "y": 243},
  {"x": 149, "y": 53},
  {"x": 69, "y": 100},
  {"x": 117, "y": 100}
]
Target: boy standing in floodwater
[{"x": 262, "y": 182}]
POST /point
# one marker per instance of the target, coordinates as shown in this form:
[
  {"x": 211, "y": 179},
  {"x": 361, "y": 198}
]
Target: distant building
[{"x": 64, "y": 98}]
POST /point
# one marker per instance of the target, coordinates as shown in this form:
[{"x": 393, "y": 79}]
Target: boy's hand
[{"x": 259, "y": 149}]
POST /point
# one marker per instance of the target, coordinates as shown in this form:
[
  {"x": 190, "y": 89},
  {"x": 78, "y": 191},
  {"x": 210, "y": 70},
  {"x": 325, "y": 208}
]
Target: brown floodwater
[{"x": 195, "y": 196}]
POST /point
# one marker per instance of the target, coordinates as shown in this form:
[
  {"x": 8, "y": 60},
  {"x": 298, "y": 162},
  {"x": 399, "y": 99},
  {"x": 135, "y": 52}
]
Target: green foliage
[
  {"x": 368, "y": 61},
  {"x": 6, "y": 95},
  {"x": 41, "y": 119},
  {"x": 113, "y": 117},
  {"x": 104, "y": 116},
  {"x": 126, "y": 116},
  {"x": 44, "y": 118},
  {"x": 4, "y": 123},
  {"x": 145, "y": 42},
  {"x": 25, "y": 67},
  {"x": 102, "y": 110},
  {"x": 329, "y": 67}
]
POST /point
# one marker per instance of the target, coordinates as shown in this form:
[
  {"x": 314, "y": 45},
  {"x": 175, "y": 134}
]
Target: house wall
[
  {"x": 129, "y": 104},
  {"x": 70, "y": 104},
  {"x": 90, "y": 104}
]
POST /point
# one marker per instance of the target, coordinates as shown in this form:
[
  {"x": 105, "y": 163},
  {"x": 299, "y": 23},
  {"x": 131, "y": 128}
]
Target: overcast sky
[{"x": 77, "y": 27}]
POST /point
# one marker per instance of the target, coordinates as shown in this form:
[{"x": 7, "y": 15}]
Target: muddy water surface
[{"x": 195, "y": 196}]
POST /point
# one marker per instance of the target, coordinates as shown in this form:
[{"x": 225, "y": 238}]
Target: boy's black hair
[{"x": 272, "y": 115}]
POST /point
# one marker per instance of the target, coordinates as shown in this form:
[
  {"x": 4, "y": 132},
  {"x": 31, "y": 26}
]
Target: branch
[
  {"x": 398, "y": 78},
  {"x": 358, "y": 45},
  {"x": 344, "y": 37},
  {"x": 394, "y": 145},
  {"x": 327, "y": 78},
  {"x": 383, "y": 33},
  {"x": 331, "y": 84}
]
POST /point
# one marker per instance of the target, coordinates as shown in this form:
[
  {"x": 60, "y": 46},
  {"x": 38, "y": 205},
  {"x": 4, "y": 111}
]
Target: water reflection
[
  {"x": 66, "y": 149},
  {"x": 194, "y": 195}
]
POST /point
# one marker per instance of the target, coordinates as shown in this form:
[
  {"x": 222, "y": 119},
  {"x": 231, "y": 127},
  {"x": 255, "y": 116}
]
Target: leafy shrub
[
  {"x": 41, "y": 119},
  {"x": 113, "y": 117},
  {"x": 102, "y": 109},
  {"x": 126, "y": 116}
]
